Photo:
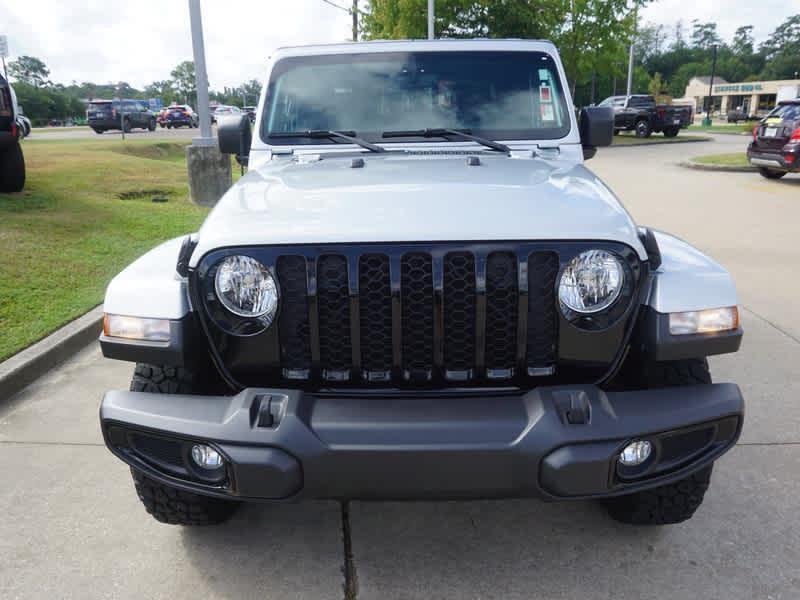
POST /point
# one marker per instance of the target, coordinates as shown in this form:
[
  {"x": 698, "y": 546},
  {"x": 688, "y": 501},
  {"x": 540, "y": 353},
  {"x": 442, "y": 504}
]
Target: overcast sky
[{"x": 140, "y": 41}]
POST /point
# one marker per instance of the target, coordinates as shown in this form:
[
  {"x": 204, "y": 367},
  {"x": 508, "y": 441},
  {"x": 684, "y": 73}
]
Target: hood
[{"x": 411, "y": 197}]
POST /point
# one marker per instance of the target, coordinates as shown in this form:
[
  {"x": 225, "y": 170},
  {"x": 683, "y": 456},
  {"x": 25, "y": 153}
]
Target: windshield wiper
[
  {"x": 324, "y": 134},
  {"x": 441, "y": 132}
]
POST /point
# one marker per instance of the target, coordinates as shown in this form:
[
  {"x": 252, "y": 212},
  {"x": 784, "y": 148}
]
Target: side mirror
[
  {"x": 596, "y": 126},
  {"x": 235, "y": 136}
]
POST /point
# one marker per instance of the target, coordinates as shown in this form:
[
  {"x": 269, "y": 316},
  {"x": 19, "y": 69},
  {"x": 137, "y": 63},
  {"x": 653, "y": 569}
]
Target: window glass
[{"x": 503, "y": 95}]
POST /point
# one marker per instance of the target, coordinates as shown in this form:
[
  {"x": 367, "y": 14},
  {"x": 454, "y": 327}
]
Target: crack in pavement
[
  {"x": 771, "y": 324},
  {"x": 349, "y": 567},
  {"x": 41, "y": 443}
]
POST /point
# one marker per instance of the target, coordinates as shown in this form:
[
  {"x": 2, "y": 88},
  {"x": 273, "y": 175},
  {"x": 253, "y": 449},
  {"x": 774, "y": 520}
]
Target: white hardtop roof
[{"x": 377, "y": 46}]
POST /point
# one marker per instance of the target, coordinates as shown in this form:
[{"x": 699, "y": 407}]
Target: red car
[{"x": 775, "y": 148}]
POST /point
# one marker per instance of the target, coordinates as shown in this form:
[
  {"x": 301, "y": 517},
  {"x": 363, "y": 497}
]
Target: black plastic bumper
[
  {"x": 555, "y": 442},
  {"x": 777, "y": 159}
]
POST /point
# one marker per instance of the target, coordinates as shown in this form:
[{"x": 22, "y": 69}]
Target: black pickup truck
[{"x": 641, "y": 114}]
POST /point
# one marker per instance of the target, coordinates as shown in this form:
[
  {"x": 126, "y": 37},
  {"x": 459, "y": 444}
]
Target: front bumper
[{"x": 552, "y": 442}]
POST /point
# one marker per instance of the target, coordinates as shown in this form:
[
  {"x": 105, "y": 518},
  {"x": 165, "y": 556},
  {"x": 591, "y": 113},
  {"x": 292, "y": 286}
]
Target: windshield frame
[{"x": 520, "y": 136}]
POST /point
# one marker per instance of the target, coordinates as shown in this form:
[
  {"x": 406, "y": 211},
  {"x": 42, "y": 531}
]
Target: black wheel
[
  {"x": 616, "y": 131},
  {"x": 178, "y": 507},
  {"x": 12, "y": 169},
  {"x": 98, "y": 131},
  {"x": 671, "y": 132},
  {"x": 665, "y": 505},
  {"x": 151, "y": 125},
  {"x": 771, "y": 173},
  {"x": 126, "y": 126},
  {"x": 169, "y": 125},
  {"x": 677, "y": 501},
  {"x": 161, "y": 125},
  {"x": 642, "y": 129}
]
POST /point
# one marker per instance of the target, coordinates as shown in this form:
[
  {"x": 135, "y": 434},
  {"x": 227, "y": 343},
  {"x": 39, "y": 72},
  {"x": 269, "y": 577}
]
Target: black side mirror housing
[
  {"x": 596, "y": 126},
  {"x": 235, "y": 136}
]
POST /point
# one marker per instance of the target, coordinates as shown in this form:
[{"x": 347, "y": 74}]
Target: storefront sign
[{"x": 744, "y": 87}]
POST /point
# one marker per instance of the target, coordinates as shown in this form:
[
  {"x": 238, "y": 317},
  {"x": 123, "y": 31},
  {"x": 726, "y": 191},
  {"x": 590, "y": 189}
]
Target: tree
[
  {"x": 743, "y": 42},
  {"x": 781, "y": 50},
  {"x": 704, "y": 35},
  {"x": 183, "y": 79},
  {"x": 656, "y": 87},
  {"x": 30, "y": 70},
  {"x": 252, "y": 89},
  {"x": 161, "y": 89}
]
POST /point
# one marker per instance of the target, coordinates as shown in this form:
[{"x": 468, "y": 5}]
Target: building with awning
[{"x": 750, "y": 97}]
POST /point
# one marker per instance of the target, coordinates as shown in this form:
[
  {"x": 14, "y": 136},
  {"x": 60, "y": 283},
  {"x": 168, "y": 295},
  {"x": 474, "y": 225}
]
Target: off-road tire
[
  {"x": 98, "y": 131},
  {"x": 665, "y": 505},
  {"x": 642, "y": 129},
  {"x": 12, "y": 169},
  {"x": 677, "y": 501},
  {"x": 160, "y": 379},
  {"x": 151, "y": 125},
  {"x": 771, "y": 173},
  {"x": 178, "y": 507}
]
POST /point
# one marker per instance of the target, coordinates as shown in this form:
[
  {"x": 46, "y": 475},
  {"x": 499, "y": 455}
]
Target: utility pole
[
  {"x": 630, "y": 72},
  {"x": 431, "y": 34},
  {"x": 209, "y": 170},
  {"x": 201, "y": 77},
  {"x": 354, "y": 12},
  {"x": 707, "y": 120}
]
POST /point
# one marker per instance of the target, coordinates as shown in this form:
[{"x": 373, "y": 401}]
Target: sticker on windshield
[
  {"x": 544, "y": 94},
  {"x": 548, "y": 114}
]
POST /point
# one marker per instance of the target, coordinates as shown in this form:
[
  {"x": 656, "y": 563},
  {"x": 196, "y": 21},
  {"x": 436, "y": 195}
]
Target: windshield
[{"x": 497, "y": 95}]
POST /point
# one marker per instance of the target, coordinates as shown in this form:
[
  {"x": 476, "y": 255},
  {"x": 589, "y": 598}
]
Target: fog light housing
[
  {"x": 206, "y": 457},
  {"x": 636, "y": 453}
]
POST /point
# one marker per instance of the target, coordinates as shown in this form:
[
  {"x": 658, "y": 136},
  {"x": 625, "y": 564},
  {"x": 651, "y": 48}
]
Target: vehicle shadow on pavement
[{"x": 270, "y": 551}]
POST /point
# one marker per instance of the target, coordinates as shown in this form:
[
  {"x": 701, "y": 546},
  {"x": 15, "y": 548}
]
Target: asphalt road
[
  {"x": 71, "y": 526},
  {"x": 71, "y": 133}
]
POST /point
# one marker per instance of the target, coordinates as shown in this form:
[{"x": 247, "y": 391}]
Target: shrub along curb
[
  {"x": 28, "y": 365},
  {"x": 690, "y": 164}
]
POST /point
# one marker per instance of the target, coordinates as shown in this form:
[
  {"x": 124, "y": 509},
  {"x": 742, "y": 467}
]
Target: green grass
[
  {"x": 740, "y": 128},
  {"x": 735, "y": 159},
  {"x": 629, "y": 138},
  {"x": 86, "y": 213}
]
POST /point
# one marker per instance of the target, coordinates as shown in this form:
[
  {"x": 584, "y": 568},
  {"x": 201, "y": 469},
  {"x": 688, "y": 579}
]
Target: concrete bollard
[{"x": 209, "y": 173}]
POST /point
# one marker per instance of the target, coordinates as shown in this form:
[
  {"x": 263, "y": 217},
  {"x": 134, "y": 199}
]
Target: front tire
[
  {"x": 151, "y": 125},
  {"x": 12, "y": 169},
  {"x": 170, "y": 505},
  {"x": 643, "y": 129},
  {"x": 674, "y": 502},
  {"x": 166, "y": 503},
  {"x": 771, "y": 173}
]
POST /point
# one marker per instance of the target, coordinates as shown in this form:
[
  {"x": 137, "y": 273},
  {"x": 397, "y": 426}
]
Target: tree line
[
  {"x": 593, "y": 38},
  {"x": 44, "y": 101}
]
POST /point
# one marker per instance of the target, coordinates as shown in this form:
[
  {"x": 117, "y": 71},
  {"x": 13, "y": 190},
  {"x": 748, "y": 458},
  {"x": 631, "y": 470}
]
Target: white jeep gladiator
[{"x": 418, "y": 291}]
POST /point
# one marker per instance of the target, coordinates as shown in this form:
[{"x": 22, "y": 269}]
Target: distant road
[{"x": 68, "y": 133}]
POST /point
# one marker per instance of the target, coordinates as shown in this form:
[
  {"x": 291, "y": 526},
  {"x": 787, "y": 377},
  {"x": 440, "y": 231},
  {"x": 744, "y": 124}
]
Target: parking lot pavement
[
  {"x": 70, "y": 133},
  {"x": 71, "y": 526}
]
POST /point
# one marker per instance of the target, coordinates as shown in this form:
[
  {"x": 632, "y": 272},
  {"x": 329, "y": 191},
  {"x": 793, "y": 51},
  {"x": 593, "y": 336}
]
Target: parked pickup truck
[
  {"x": 641, "y": 114},
  {"x": 419, "y": 291}
]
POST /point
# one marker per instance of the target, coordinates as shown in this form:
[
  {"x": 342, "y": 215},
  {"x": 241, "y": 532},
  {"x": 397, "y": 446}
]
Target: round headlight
[
  {"x": 591, "y": 282},
  {"x": 247, "y": 288}
]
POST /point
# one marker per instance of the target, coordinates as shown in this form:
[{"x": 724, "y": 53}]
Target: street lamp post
[
  {"x": 431, "y": 34},
  {"x": 707, "y": 120},
  {"x": 209, "y": 170}
]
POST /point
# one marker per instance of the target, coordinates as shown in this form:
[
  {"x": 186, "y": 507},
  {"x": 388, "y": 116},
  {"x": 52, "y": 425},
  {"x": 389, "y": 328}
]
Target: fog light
[
  {"x": 635, "y": 453},
  {"x": 206, "y": 457}
]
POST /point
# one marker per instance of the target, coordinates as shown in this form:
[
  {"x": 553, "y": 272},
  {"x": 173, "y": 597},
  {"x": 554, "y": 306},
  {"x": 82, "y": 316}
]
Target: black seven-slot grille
[{"x": 417, "y": 316}]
